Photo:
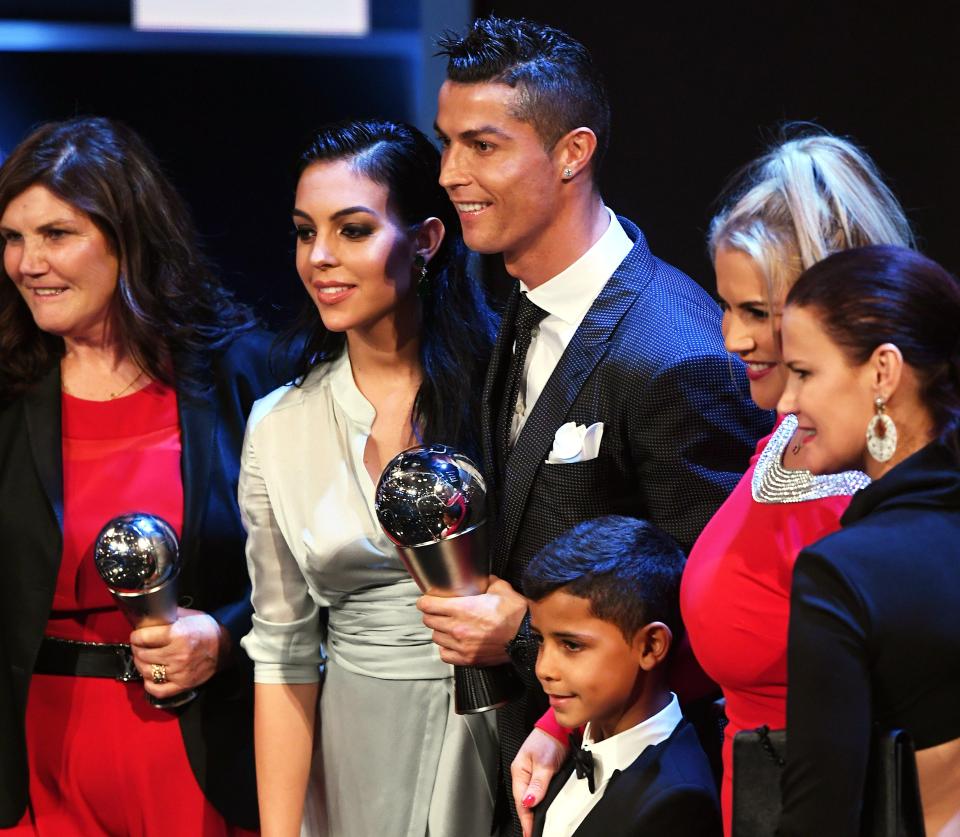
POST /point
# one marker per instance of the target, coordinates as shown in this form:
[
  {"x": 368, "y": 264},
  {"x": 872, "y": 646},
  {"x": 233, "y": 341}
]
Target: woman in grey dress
[{"x": 395, "y": 357}]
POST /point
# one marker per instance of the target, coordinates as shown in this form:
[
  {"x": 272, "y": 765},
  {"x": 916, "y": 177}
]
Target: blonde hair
[{"x": 807, "y": 197}]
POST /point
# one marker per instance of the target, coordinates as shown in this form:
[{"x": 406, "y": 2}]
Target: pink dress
[
  {"x": 102, "y": 760},
  {"x": 735, "y": 593}
]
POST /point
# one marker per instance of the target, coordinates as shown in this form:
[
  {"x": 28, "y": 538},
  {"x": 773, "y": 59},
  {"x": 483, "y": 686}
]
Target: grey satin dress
[{"x": 390, "y": 756}]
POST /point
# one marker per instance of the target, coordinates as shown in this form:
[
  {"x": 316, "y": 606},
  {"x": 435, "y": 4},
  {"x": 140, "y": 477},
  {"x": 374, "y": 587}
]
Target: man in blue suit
[{"x": 609, "y": 390}]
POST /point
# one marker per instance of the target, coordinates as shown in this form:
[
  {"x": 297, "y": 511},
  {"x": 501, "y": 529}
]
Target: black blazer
[
  {"x": 679, "y": 428},
  {"x": 874, "y": 638},
  {"x": 217, "y": 727},
  {"x": 667, "y": 792}
]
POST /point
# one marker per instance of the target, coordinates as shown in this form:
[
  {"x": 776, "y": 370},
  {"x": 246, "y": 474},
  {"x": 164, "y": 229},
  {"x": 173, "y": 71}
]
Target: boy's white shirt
[{"x": 571, "y": 806}]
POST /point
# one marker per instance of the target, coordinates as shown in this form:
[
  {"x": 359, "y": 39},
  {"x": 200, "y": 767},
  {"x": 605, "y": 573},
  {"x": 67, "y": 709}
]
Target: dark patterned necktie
[
  {"x": 528, "y": 316},
  {"x": 583, "y": 764}
]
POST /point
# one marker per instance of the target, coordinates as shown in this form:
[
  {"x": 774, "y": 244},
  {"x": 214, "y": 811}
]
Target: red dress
[
  {"x": 102, "y": 760},
  {"x": 735, "y": 598}
]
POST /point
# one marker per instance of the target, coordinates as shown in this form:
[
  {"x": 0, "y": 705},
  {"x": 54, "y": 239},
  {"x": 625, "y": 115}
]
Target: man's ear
[
  {"x": 574, "y": 151},
  {"x": 652, "y": 644},
  {"x": 429, "y": 237}
]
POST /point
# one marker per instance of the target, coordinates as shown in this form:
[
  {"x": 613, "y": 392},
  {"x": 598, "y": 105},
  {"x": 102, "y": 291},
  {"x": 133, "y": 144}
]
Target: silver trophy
[
  {"x": 431, "y": 502},
  {"x": 138, "y": 558}
]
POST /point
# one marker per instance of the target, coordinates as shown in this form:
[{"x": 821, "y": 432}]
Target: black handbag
[
  {"x": 759, "y": 756},
  {"x": 891, "y": 805}
]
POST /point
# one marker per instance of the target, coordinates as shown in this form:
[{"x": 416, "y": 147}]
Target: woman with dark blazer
[
  {"x": 871, "y": 343},
  {"x": 126, "y": 374}
]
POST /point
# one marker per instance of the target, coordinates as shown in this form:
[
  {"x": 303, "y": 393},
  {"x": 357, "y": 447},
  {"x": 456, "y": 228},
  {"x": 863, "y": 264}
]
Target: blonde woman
[{"x": 805, "y": 199}]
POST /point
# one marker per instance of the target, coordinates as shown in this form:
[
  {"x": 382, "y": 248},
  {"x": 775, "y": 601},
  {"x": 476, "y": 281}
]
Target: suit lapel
[
  {"x": 493, "y": 388},
  {"x": 590, "y": 342},
  {"x": 556, "y": 785},
  {"x": 198, "y": 421},
  {"x": 621, "y": 794},
  {"x": 43, "y": 419},
  {"x": 626, "y": 788}
]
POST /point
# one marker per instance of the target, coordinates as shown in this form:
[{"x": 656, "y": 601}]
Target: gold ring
[{"x": 158, "y": 671}]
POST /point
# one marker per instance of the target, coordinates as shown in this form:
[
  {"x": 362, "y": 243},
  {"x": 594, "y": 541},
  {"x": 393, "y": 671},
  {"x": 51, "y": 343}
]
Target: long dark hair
[
  {"x": 458, "y": 325},
  {"x": 884, "y": 294},
  {"x": 170, "y": 308}
]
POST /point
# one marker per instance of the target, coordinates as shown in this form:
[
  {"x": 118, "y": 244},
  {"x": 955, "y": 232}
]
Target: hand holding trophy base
[
  {"x": 138, "y": 558},
  {"x": 431, "y": 502}
]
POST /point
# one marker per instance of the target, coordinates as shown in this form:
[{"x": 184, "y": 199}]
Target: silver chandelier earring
[{"x": 881, "y": 433}]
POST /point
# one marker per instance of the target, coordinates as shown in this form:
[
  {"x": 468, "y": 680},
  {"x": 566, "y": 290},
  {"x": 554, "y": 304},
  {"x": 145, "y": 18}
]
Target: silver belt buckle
[{"x": 128, "y": 670}]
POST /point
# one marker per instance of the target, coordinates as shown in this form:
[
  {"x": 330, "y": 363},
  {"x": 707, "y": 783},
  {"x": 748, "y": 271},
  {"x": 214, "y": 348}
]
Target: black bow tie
[{"x": 583, "y": 764}]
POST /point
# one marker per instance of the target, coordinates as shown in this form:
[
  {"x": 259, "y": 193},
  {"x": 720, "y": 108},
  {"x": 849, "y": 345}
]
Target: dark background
[
  {"x": 226, "y": 114},
  {"x": 697, "y": 90}
]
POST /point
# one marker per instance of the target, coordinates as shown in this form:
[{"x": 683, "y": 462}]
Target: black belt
[{"x": 86, "y": 659}]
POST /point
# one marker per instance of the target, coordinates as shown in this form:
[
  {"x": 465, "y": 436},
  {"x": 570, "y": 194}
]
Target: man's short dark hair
[
  {"x": 628, "y": 569},
  {"x": 559, "y": 88}
]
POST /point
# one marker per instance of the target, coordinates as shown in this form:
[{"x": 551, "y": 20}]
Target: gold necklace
[
  {"x": 120, "y": 392},
  {"x": 110, "y": 395}
]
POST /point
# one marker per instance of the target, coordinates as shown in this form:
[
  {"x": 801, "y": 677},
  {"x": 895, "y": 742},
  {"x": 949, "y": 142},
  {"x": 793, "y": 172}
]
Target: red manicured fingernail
[{"x": 528, "y": 800}]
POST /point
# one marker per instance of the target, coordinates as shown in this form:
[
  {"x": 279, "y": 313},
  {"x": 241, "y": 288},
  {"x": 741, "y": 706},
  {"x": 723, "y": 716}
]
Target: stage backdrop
[
  {"x": 698, "y": 89},
  {"x": 227, "y": 113}
]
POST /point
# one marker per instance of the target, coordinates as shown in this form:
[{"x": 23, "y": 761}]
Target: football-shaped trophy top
[
  {"x": 136, "y": 553},
  {"x": 430, "y": 493}
]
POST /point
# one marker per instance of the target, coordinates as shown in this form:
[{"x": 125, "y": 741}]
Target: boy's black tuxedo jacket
[
  {"x": 648, "y": 361},
  {"x": 218, "y": 726},
  {"x": 669, "y": 791}
]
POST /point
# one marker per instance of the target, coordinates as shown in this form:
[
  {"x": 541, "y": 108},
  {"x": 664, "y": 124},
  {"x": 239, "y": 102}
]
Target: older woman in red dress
[{"x": 126, "y": 372}]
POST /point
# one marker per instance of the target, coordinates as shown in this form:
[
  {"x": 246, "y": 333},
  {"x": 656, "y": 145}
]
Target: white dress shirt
[
  {"x": 571, "y": 806},
  {"x": 566, "y": 298}
]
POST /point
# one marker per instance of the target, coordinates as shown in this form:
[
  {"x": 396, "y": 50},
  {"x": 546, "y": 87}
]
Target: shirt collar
[
  {"x": 620, "y": 751},
  {"x": 346, "y": 392},
  {"x": 570, "y": 293}
]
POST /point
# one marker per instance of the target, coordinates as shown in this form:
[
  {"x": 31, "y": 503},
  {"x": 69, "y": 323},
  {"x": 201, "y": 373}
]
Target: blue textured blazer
[
  {"x": 679, "y": 426},
  {"x": 217, "y": 727}
]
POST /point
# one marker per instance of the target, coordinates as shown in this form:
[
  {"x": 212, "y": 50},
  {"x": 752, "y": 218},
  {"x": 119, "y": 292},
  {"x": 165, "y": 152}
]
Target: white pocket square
[{"x": 575, "y": 443}]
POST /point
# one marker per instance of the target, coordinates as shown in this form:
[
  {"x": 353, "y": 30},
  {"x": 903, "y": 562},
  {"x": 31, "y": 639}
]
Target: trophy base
[
  {"x": 173, "y": 701},
  {"x": 482, "y": 689}
]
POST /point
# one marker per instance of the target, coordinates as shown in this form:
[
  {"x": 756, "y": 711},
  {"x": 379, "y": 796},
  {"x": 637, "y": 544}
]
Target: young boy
[{"x": 604, "y": 608}]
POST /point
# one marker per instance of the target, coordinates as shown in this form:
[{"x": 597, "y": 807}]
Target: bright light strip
[{"x": 286, "y": 17}]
